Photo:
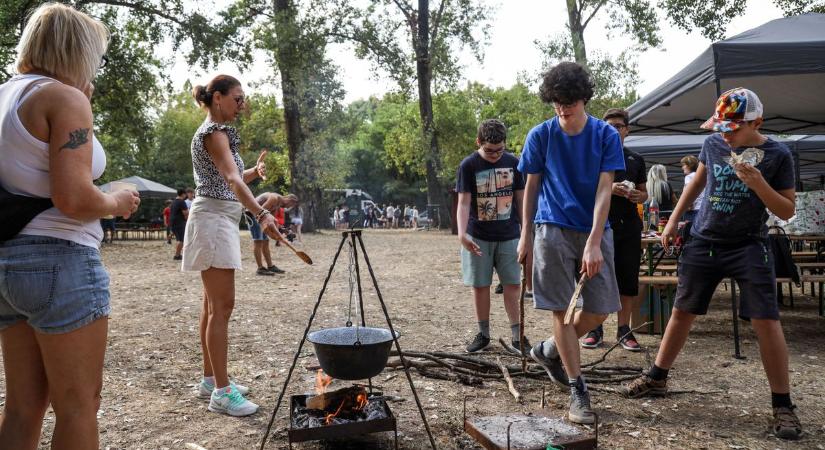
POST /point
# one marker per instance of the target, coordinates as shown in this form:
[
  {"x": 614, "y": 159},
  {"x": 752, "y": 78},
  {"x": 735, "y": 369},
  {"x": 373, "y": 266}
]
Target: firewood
[
  {"x": 330, "y": 401},
  {"x": 509, "y": 380}
]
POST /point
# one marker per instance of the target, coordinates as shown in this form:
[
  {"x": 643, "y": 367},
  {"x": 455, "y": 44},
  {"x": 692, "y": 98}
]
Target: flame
[
  {"x": 322, "y": 381},
  {"x": 361, "y": 402},
  {"x": 329, "y": 417}
]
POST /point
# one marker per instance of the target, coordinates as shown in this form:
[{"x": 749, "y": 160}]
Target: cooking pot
[{"x": 352, "y": 353}]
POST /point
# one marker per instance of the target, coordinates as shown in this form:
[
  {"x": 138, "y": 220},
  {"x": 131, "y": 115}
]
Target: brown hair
[
  {"x": 617, "y": 113},
  {"x": 221, "y": 83},
  {"x": 691, "y": 162}
]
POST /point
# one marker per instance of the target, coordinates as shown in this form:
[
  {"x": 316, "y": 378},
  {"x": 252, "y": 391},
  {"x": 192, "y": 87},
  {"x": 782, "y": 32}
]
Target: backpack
[
  {"x": 780, "y": 246},
  {"x": 16, "y": 211}
]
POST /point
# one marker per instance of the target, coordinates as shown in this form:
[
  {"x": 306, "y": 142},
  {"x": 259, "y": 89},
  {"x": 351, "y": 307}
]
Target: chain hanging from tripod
[{"x": 352, "y": 283}]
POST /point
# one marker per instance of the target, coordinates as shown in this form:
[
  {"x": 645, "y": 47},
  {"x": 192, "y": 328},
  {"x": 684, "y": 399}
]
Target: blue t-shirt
[
  {"x": 493, "y": 187},
  {"x": 570, "y": 168},
  {"x": 730, "y": 211}
]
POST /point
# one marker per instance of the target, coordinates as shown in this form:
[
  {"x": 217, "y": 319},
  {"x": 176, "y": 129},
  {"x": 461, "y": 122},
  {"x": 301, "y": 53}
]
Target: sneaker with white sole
[
  {"x": 229, "y": 401},
  {"x": 205, "y": 388}
]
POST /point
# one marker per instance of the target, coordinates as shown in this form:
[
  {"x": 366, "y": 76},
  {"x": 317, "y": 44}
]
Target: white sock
[{"x": 209, "y": 380}]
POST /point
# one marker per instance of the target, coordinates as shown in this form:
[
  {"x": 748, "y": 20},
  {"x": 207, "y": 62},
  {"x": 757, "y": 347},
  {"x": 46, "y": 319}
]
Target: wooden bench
[
  {"x": 820, "y": 280},
  {"x": 658, "y": 280}
]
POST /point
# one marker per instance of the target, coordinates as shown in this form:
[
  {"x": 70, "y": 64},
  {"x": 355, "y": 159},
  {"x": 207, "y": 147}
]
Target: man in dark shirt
[
  {"x": 627, "y": 234},
  {"x": 490, "y": 189},
  {"x": 178, "y": 213}
]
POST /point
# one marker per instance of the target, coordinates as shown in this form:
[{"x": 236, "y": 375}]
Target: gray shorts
[
  {"x": 557, "y": 254},
  {"x": 477, "y": 271}
]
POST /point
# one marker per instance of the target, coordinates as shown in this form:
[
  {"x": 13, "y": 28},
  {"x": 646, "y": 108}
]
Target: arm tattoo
[{"x": 77, "y": 138}]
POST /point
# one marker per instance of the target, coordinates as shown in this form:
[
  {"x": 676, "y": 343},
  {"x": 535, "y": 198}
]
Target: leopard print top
[{"x": 208, "y": 180}]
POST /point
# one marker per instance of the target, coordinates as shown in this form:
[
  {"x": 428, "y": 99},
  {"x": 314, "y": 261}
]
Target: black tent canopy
[{"x": 783, "y": 61}]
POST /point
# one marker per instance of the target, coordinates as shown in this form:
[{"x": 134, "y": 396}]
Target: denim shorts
[
  {"x": 55, "y": 285},
  {"x": 255, "y": 229}
]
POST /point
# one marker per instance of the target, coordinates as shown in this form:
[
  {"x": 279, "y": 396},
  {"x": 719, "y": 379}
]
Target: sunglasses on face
[
  {"x": 103, "y": 61},
  {"x": 492, "y": 151},
  {"x": 240, "y": 100}
]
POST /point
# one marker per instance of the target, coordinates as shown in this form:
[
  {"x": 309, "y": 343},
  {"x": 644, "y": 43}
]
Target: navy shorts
[
  {"x": 56, "y": 286},
  {"x": 179, "y": 231},
  {"x": 704, "y": 264},
  {"x": 627, "y": 248}
]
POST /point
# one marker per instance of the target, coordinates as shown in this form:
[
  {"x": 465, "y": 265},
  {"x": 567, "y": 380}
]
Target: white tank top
[{"x": 24, "y": 166}]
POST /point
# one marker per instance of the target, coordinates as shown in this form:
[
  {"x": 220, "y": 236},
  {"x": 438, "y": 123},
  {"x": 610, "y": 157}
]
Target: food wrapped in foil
[
  {"x": 751, "y": 156},
  {"x": 629, "y": 185}
]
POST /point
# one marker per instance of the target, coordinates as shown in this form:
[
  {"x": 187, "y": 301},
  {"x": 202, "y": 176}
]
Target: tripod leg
[
  {"x": 301, "y": 344},
  {"x": 358, "y": 283},
  {"x": 397, "y": 345}
]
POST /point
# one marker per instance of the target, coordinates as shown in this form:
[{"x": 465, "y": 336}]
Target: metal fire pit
[{"x": 344, "y": 430}]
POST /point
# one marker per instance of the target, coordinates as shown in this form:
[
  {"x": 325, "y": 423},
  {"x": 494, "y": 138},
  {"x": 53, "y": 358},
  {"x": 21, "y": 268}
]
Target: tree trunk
[
  {"x": 574, "y": 22},
  {"x": 291, "y": 69},
  {"x": 435, "y": 191}
]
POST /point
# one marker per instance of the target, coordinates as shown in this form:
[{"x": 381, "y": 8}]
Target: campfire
[{"x": 341, "y": 406}]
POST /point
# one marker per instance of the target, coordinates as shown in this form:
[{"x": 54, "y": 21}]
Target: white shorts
[
  {"x": 212, "y": 238},
  {"x": 297, "y": 221}
]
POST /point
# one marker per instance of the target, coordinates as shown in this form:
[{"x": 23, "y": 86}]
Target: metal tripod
[{"x": 353, "y": 235}]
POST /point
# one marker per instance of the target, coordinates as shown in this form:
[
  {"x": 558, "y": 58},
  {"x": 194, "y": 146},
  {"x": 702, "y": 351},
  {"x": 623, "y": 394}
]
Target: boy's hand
[
  {"x": 471, "y": 246},
  {"x": 592, "y": 260},
  {"x": 668, "y": 234},
  {"x": 635, "y": 196},
  {"x": 525, "y": 247},
  {"x": 620, "y": 189},
  {"x": 749, "y": 175}
]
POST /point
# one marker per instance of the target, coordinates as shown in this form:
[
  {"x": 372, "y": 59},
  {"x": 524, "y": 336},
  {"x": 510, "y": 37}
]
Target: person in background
[
  {"x": 108, "y": 225},
  {"x": 166, "y": 215},
  {"x": 178, "y": 213},
  {"x": 396, "y": 216},
  {"x": 728, "y": 239},
  {"x": 659, "y": 188},
  {"x": 490, "y": 191},
  {"x": 390, "y": 215},
  {"x": 212, "y": 241},
  {"x": 336, "y": 217},
  {"x": 54, "y": 291},
  {"x": 689, "y": 165},
  {"x": 296, "y": 215},
  {"x": 627, "y": 235},
  {"x": 190, "y": 197}
]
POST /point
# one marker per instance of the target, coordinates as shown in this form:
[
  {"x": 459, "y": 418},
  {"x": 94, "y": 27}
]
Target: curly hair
[
  {"x": 566, "y": 83},
  {"x": 492, "y": 131}
]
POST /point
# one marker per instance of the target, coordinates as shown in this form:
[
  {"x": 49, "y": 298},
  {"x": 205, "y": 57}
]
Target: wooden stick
[
  {"x": 521, "y": 317},
  {"x": 619, "y": 341},
  {"x": 509, "y": 380},
  {"x": 568, "y": 317}
]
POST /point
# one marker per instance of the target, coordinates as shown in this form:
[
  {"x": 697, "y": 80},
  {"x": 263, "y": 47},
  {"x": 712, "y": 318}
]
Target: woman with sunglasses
[{"x": 211, "y": 244}]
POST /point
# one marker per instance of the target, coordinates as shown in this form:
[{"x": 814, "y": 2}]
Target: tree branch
[
  {"x": 405, "y": 9},
  {"x": 593, "y": 14},
  {"x": 435, "y": 25},
  {"x": 136, "y": 7}
]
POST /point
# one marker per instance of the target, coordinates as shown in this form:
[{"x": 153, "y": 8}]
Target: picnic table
[{"x": 125, "y": 231}]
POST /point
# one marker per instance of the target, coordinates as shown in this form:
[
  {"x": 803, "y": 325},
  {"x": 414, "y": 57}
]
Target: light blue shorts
[
  {"x": 255, "y": 229},
  {"x": 55, "y": 285},
  {"x": 477, "y": 271}
]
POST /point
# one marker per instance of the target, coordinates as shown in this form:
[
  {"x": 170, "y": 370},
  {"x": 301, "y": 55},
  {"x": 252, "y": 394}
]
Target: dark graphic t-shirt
[
  {"x": 492, "y": 216},
  {"x": 624, "y": 217},
  {"x": 176, "y": 217},
  {"x": 730, "y": 211}
]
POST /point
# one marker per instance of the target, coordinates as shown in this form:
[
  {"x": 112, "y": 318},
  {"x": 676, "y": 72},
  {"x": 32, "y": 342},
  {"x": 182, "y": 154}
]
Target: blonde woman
[
  {"x": 658, "y": 188},
  {"x": 211, "y": 242},
  {"x": 54, "y": 291}
]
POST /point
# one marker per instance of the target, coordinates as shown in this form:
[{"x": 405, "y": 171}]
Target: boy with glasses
[
  {"x": 743, "y": 175},
  {"x": 569, "y": 161},
  {"x": 627, "y": 234},
  {"x": 490, "y": 190}
]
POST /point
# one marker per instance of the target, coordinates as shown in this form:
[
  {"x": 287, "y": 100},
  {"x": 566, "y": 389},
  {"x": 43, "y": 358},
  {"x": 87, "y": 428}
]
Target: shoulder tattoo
[{"x": 77, "y": 138}]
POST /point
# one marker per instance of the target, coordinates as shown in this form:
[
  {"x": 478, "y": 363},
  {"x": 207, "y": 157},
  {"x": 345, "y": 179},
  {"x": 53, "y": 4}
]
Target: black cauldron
[{"x": 344, "y": 356}]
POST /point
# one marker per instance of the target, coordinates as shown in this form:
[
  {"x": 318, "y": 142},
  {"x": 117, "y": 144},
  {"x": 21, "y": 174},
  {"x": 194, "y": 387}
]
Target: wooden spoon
[{"x": 277, "y": 236}]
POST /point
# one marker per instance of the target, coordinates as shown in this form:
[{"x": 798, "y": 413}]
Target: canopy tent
[
  {"x": 669, "y": 150},
  {"x": 146, "y": 188},
  {"x": 783, "y": 61}
]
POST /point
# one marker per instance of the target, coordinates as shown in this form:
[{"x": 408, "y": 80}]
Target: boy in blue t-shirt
[
  {"x": 728, "y": 239},
  {"x": 490, "y": 190},
  {"x": 570, "y": 161}
]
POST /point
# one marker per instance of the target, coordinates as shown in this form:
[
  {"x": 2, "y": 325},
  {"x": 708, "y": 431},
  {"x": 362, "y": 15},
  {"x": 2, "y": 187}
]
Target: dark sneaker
[
  {"x": 528, "y": 295},
  {"x": 553, "y": 366},
  {"x": 628, "y": 342},
  {"x": 500, "y": 289},
  {"x": 480, "y": 342},
  {"x": 593, "y": 339},
  {"x": 275, "y": 269},
  {"x": 644, "y": 386},
  {"x": 580, "y": 411},
  {"x": 785, "y": 424},
  {"x": 263, "y": 271},
  {"x": 525, "y": 349},
  {"x": 177, "y": 257}
]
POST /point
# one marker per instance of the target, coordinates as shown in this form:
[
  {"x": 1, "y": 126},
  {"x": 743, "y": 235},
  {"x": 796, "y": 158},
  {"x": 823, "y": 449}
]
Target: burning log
[{"x": 345, "y": 399}]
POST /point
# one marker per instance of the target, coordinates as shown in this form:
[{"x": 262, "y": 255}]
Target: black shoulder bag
[
  {"x": 16, "y": 211},
  {"x": 780, "y": 245}
]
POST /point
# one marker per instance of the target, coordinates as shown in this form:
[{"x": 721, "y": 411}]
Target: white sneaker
[
  {"x": 230, "y": 401},
  {"x": 205, "y": 388}
]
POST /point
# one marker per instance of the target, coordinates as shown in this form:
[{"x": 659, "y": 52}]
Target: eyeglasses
[
  {"x": 493, "y": 151},
  {"x": 103, "y": 61},
  {"x": 240, "y": 100},
  {"x": 560, "y": 105},
  {"x": 617, "y": 126}
]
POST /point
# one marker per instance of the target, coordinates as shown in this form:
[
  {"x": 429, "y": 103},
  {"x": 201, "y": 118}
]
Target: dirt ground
[{"x": 153, "y": 356}]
